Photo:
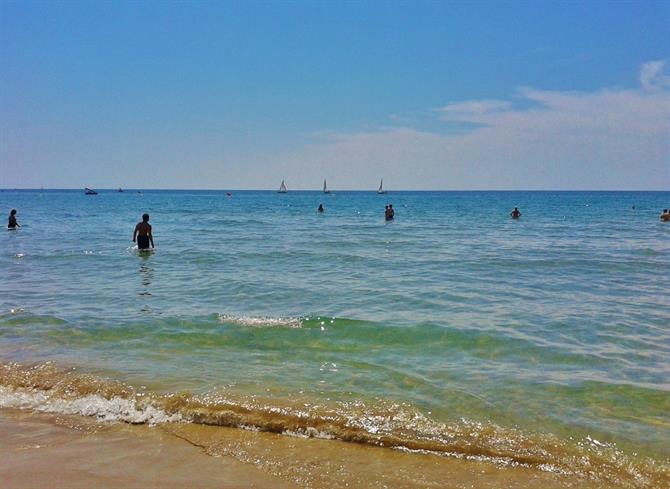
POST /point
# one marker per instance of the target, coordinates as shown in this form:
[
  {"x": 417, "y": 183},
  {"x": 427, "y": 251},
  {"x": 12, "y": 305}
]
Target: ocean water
[{"x": 453, "y": 330}]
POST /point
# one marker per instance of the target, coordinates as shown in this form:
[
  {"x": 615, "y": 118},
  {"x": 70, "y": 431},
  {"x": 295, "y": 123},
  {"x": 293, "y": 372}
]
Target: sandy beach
[{"x": 41, "y": 450}]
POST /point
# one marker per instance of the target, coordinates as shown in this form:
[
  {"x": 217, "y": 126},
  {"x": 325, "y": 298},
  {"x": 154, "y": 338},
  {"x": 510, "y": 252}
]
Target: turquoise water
[{"x": 555, "y": 323}]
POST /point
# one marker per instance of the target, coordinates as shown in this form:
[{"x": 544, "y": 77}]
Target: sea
[{"x": 450, "y": 332}]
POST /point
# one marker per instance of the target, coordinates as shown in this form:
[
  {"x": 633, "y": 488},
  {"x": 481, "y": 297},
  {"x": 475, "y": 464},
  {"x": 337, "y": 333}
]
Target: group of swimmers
[
  {"x": 142, "y": 234},
  {"x": 389, "y": 213}
]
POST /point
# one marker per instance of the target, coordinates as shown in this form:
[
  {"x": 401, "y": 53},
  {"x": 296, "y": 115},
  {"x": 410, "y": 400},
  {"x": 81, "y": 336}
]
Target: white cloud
[
  {"x": 652, "y": 76},
  {"x": 472, "y": 109},
  {"x": 607, "y": 139}
]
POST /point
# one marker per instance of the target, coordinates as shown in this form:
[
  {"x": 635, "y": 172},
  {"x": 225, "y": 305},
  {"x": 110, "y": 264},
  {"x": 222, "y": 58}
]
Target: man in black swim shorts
[{"x": 143, "y": 234}]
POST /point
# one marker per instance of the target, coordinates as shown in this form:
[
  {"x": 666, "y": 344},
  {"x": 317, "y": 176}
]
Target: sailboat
[
  {"x": 381, "y": 187},
  {"x": 325, "y": 187},
  {"x": 89, "y": 191},
  {"x": 282, "y": 188}
]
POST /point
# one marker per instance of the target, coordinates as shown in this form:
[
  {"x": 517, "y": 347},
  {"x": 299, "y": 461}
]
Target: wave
[
  {"x": 114, "y": 409},
  {"x": 385, "y": 423},
  {"x": 261, "y": 321}
]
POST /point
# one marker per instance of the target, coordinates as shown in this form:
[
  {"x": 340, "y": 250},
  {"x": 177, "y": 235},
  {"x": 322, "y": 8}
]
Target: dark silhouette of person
[
  {"x": 320, "y": 209},
  {"x": 143, "y": 234},
  {"x": 389, "y": 213},
  {"x": 516, "y": 213},
  {"x": 11, "y": 223}
]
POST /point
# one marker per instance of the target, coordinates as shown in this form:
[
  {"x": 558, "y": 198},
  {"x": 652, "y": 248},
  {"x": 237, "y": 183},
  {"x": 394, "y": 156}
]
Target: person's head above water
[
  {"x": 145, "y": 217},
  {"x": 13, "y": 211}
]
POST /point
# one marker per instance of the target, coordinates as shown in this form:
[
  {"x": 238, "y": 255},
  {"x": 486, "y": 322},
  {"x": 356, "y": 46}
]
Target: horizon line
[{"x": 331, "y": 191}]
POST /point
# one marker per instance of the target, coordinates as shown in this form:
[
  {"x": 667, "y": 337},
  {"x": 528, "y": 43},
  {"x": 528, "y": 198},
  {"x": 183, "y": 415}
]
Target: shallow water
[{"x": 453, "y": 329}]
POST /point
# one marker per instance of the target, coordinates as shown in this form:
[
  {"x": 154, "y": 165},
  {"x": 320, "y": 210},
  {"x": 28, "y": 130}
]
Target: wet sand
[{"x": 40, "y": 450}]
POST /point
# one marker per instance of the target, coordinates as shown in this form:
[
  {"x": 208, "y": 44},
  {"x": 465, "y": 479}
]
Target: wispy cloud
[
  {"x": 610, "y": 138},
  {"x": 472, "y": 110},
  {"x": 652, "y": 76}
]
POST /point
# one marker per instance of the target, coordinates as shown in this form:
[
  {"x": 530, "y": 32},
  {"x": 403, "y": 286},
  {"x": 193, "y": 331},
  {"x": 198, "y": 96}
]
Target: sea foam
[{"x": 114, "y": 409}]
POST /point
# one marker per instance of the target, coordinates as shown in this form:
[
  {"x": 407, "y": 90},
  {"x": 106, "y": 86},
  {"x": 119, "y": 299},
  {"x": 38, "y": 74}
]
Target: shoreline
[
  {"x": 274, "y": 441},
  {"x": 69, "y": 451}
]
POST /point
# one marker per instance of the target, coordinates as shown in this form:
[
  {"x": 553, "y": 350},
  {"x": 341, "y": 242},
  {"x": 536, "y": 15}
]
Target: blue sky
[{"x": 428, "y": 95}]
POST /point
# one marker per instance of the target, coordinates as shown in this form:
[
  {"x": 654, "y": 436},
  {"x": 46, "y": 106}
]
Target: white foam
[
  {"x": 261, "y": 321},
  {"x": 309, "y": 432},
  {"x": 114, "y": 409}
]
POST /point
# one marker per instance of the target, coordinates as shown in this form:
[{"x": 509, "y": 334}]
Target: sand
[
  {"x": 45, "y": 450},
  {"x": 40, "y": 451}
]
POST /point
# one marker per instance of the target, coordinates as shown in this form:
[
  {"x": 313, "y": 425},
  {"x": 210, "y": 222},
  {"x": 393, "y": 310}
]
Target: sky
[{"x": 432, "y": 95}]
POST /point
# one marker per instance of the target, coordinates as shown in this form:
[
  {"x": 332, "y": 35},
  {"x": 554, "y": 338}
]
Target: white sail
[
  {"x": 282, "y": 188},
  {"x": 325, "y": 187},
  {"x": 381, "y": 187}
]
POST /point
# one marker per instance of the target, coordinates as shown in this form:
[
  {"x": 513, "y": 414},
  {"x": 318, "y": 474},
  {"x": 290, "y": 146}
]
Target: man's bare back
[
  {"x": 143, "y": 228},
  {"x": 143, "y": 233}
]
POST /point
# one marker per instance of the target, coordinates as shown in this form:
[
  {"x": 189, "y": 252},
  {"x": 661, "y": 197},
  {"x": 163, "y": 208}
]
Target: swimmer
[
  {"x": 320, "y": 209},
  {"x": 143, "y": 233},
  {"x": 665, "y": 215},
  {"x": 11, "y": 223},
  {"x": 516, "y": 213}
]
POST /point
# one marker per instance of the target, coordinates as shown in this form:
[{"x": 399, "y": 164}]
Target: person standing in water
[
  {"x": 11, "y": 223},
  {"x": 665, "y": 215},
  {"x": 320, "y": 209},
  {"x": 143, "y": 234},
  {"x": 389, "y": 213},
  {"x": 516, "y": 213}
]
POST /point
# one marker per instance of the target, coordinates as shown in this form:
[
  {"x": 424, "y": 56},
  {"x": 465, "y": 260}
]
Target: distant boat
[
  {"x": 89, "y": 191},
  {"x": 282, "y": 188},
  {"x": 325, "y": 187},
  {"x": 120, "y": 190},
  {"x": 381, "y": 187}
]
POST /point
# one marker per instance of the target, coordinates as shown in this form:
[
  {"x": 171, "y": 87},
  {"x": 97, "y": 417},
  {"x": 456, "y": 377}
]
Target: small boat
[
  {"x": 282, "y": 188},
  {"x": 89, "y": 191},
  {"x": 381, "y": 190},
  {"x": 325, "y": 188},
  {"x": 120, "y": 190}
]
